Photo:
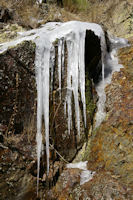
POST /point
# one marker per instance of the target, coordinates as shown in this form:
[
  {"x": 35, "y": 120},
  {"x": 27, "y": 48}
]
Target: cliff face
[
  {"x": 111, "y": 146},
  {"x": 18, "y": 118}
]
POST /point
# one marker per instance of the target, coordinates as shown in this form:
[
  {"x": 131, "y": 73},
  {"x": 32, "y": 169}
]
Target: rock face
[
  {"x": 102, "y": 186},
  {"x": 18, "y": 119},
  {"x": 117, "y": 16},
  {"x": 111, "y": 146},
  {"x": 18, "y": 89}
]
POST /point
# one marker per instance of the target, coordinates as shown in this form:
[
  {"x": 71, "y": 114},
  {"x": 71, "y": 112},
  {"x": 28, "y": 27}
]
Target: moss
[
  {"x": 87, "y": 152},
  {"x": 56, "y": 42},
  {"x": 9, "y": 32},
  {"x": 76, "y": 5},
  {"x": 30, "y": 45},
  {"x": 90, "y": 104}
]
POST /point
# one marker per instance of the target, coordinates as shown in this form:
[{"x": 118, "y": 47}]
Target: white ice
[
  {"x": 85, "y": 176},
  {"x": 79, "y": 165}
]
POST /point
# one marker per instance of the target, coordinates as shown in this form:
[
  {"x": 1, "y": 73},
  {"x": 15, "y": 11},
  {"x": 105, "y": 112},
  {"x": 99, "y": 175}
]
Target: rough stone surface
[
  {"x": 103, "y": 185},
  {"x": 17, "y": 120},
  {"x": 18, "y": 88},
  {"x": 111, "y": 145}
]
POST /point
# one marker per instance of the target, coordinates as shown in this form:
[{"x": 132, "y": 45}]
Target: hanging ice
[
  {"x": 73, "y": 35},
  {"x": 42, "y": 63}
]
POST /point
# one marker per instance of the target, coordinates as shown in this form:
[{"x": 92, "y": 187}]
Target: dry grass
[
  {"x": 25, "y": 12},
  {"x": 28, "y": 12}
]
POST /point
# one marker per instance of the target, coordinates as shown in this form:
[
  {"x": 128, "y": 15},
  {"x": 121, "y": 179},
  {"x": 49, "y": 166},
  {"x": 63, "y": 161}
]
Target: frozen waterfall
[{"x": 73, "y": 35}]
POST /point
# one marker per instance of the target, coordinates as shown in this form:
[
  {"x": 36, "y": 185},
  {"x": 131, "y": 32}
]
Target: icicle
[
  {"x": 69, "y": 111},
  {"x": 59, "y": 64},
  {"x": 39, "y": 109},
  {"x": 82, "y": 72},
  {"x": 69, "y": 89},
  {"x": 100, "y": 115},
  {"x": 72, "y": 75},
  {"x": 63, "y": 58},
  {"x": 65, "y": 108},
  {"x": 42, "y": 70},
  {"x": 52, "y": 62},
  {"x": 75, "y": 79},
  {"x": 45, "y": 88}
]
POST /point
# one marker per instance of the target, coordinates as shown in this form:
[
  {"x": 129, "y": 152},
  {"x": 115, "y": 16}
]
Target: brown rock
[{"x": 111, "y": 146}]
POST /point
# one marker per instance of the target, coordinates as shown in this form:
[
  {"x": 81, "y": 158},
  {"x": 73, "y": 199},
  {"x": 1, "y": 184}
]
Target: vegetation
[
  {"x": 90, "y": 104},
  {"x": 24, "y": 12},
  {"x": 76, "y": 5}
]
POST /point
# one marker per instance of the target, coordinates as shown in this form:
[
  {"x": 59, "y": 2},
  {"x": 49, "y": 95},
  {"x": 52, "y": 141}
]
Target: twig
[{"x": 59, "y": 154}]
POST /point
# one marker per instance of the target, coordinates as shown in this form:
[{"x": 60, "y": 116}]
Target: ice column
[{"x": 42, "y": 70}]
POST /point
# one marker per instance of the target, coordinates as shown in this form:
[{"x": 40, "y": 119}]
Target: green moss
[
  {"x": 87, "y": 152},
  {"x": 80, "y": 5},
  {"x": 9, "y": 32},
  {"x": 56, "y": 42},
  {"x": 90, "y": 104}
]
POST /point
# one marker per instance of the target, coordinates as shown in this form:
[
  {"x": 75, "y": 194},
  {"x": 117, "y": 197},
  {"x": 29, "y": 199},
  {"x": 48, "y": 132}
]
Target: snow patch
[
  {"x": 86, "y": 176},
  {"x": 79, "y": 165}
]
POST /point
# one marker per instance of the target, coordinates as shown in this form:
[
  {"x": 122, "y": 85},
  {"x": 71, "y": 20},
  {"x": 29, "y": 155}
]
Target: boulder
[{"x": 5, "y": 15}]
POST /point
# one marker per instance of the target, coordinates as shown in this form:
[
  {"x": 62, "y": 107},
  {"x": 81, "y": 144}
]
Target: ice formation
[
  {"x": 86, "y": 175},
  {"x": 79, "y": 165},
  {"x": 73, "y": 34}
]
